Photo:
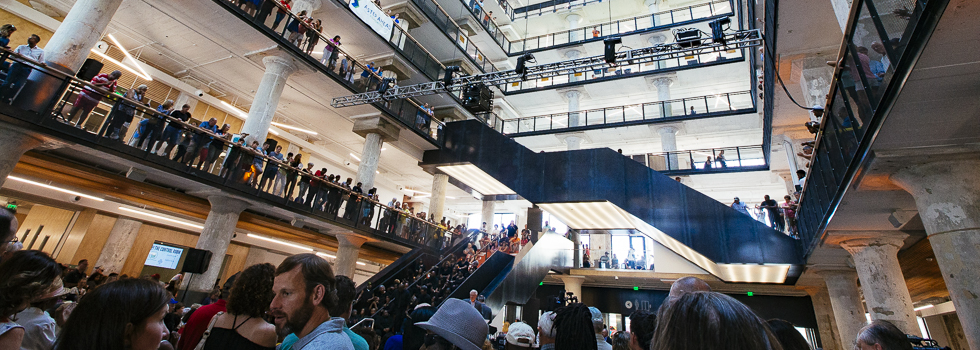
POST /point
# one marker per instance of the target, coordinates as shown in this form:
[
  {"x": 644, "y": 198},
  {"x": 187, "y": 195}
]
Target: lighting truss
[{"x": 733, "y": 41}]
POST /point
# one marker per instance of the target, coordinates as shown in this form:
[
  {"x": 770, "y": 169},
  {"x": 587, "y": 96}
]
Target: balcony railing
[
  {"x": 865, "y": 85},
  {"x": 713, "y": 160},
  {"x": 625, "y": 70},
  {"x": 639, "y": 24},
  {"x": 701, "y": 106},
  {"x": 451, "y": 29},
  {"x": 108, "y": 121},
  {"x": 350, "y": 72}
]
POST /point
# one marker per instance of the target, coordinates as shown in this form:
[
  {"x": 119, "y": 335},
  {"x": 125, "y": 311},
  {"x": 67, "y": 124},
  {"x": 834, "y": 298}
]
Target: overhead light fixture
[
  {"x": 383, "y": 148},
  {"x": 920, "y": 308},
  {"x": 290, "y": 127},
  {"x": 362, "y": 264},
  {"x": 59, "y": 189},
  {"x": 273, "y": 240},
  {"x": 161, "y": 217},
  {"x": 325, "y": 255},
  {"x": 355, "y": 157},
  {"x": 135, "y": 62},
  {"x": 273, "y": 132},
  {"x": 124, "y": 66},
  {"x": 417, "y": 191}
]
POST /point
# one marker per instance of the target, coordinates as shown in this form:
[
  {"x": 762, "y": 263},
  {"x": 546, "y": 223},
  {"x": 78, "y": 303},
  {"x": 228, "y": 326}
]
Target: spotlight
[
  {"x": 447, "y": 79},
  {"x": 611, "y": 49},
  {"x": 687, "y": 37},
  {"x": 522, "y": 65},
  {"x": 718, "y": 29},
  {"x": 385, "y": 84}
]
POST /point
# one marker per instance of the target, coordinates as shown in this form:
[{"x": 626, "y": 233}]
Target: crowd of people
[
  {"x": 781, "y": 216},
  {"x": 301, "y": 304}
]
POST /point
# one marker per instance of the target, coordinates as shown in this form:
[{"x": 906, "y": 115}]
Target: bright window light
[
  {"x": 161, "y": 217},
  {"x": 59, "y": 189},
  {"x": 273, "y": 240}
]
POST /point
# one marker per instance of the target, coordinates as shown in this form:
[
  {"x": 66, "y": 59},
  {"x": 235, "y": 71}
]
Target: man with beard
[{"x": 305, "y": 290}]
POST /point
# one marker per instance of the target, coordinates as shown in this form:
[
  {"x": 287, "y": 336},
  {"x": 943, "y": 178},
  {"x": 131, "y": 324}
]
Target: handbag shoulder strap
[{"x": 204, "y": 338}]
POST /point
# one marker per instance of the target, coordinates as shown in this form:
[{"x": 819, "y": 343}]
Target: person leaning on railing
[
  {"x": 90, "y": 96},
  {"x": 123, "y": 112}
]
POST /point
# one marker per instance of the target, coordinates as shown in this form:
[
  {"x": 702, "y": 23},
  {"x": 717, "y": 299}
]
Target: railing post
[{"x": 738, "y": 154}]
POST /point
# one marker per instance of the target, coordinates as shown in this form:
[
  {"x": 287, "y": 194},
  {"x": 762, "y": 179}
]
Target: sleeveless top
[
  {"x": 224, "y": 338},
  {"x": 6, "y": 326}
]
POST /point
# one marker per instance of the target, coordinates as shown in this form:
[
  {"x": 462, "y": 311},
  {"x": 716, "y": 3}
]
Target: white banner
[{"x": 371, "y": 14}]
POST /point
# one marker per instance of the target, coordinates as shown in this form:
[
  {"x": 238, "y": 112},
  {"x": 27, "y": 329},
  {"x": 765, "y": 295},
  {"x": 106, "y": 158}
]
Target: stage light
[
  {"x": 385, "y": 84},
  {"x": 611, "y": 49},
  {"x": 687, "y": 37},
  {"x": 522, "y": 65},
  {"x": 718, "y": 29}
]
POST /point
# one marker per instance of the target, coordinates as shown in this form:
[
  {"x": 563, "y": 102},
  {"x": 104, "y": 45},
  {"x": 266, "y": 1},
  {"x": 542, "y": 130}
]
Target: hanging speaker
[
  {"x": 89, "y": 69},
  {"x": 197, "y": 261}
]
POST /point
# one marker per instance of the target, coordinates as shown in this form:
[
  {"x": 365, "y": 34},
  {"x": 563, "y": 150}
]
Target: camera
[
  {"x": 76, "y": 199},
  {"x": 199, "y": 93}
]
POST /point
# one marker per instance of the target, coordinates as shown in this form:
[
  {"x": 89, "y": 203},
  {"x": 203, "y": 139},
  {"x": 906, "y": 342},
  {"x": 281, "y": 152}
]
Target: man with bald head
[{"x": 686, "y": 285}]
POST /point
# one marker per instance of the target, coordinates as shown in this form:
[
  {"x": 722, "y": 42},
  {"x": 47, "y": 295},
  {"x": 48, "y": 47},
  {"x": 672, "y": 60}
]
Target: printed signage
[
  {"x": 371, "y": 14},
  {"x": 164, "y": 256}
]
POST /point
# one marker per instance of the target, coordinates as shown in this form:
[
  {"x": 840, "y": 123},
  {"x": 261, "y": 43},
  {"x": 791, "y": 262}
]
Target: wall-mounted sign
[
  {"x": 371, "y": 14},
  {"x": 164, "y": 256}
]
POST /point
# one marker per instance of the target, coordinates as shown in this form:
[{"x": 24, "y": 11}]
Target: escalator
[
  {"x": 600, "y": 189},
  {"x": 404, "y": 267},
  {"x": 505, "y": 279}
]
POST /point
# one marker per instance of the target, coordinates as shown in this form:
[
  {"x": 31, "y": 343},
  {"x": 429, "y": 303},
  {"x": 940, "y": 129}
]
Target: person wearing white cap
[
  {"x": 599, "y": 326},
  {"x": 546, "y": 331},
  {"x": 456, "y": 324},
  {"x": 519, "y": 336}
]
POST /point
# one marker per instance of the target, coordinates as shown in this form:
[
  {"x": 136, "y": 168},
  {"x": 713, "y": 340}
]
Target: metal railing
[
  {"x": 645, "y": 23},
  {"x": 347, "y": 70},
  {"x": 722, "y": 159},
  {"x": 624, "y": 70},
  {"x": 684, "y": 107},
  {"x": 82, "y": 113},
  {"x": 864, "y": 88},
  {"x": 448, "y": 26}
]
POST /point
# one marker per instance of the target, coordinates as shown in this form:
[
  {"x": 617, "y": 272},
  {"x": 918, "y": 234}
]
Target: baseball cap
[
  {"x": 520, "y": 334},
  {"x": 547, "y": 324}
]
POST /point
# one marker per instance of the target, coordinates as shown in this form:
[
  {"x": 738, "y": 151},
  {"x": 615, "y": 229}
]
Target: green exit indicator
[
  {"x": 541, "y": 284},
  {"x": 636, "y": 288},
  {"x": 751, "y": 294}
]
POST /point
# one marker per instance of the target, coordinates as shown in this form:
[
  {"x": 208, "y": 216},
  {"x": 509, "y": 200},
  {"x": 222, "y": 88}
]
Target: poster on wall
[
  {"x": 163, "y": 256},
  {"x": 371, "y": 14}
]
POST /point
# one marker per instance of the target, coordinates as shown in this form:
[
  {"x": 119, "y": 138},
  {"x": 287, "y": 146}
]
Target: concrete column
[
  {"x": 437, "y": 203},
  {"x": 350, "y": 247},
  {"x": 370, "y": 156},
  {"x": 573, "y": 284},
  {"x": 845, "y": 299},
  {"x": 573, "y": 21},
  {"x": 576, "y": 239},
  {"x": 487, "y": 213},
  {"x": 82, "y": 27},
  {"x": 574, "y": 118},
  {"x": 653, "y": 6},
  {"x": 663, "y": 93},
  {"x": 842, "y": 10},
  {"x": 376, "y": 130},
  {"x": 668, "y": 142},
  {"x": 571, "y": 55},
  {"x": 120, "y": 242},
  {"x": 654, "y": 40},
  {"x": 15, "y": 143},
  {"x": 885, "y": 292},
  {"x": 215, "y": 237},
  {"x": 824, "y": 312},
  {"x": 277, "y": 70},
  {"x": 947, "y": 194},
  {"x": 599, "y": 245}
]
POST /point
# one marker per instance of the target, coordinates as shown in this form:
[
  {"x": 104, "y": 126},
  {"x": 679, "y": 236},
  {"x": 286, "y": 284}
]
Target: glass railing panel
[
  {"x": 614, "y": 115},
  {"x": 594, "y": 117},
  {"x": 741, "y": 100},
  {"x": 653, "y": 110},
  {"x": 560, "y": 121},
  {"x": 510, "y": 126},
  {"x": 852, "y": 82},
  {"x": 633, "y": 113}
]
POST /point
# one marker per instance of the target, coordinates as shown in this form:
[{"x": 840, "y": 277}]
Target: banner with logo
[{"x": 371, "y": 14}]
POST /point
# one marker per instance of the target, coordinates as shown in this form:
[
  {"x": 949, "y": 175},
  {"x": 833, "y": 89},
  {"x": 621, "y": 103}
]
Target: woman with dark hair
[
  {"x": 243, "y": 328},
  {"x": 621, "y": 341},
  {"x": 122, "y": 315},
  {"x": 708, "y": 321},
  {"x": 574, "y": 328},
  {"x": 27, "y": 277},
  {"x": 788, "y": 336},
  {"x": 414, "y": 336},
  {"x": 882, "y": 335}
]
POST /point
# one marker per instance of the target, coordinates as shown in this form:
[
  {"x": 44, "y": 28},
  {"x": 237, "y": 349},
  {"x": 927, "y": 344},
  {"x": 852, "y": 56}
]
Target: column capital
[
  {"x": 568, "y": 94},
  {"x": 662, "y": 81},
  {"x": 651, "y": 2},
  {"x": 375, "y": 124},
  {"x": 657, "y": 39},
  {"x": 279, "y": 64},
  {"x": 667, "y": 129},
  {"x": 351, "y": 240},
  {"x": 573, "y": 19},
  {"x": 834, "y": 271},
  {"x": 889, "y": 240},
  {"x": 947, "y": 193},
  {"x": 225, "y": 204}
]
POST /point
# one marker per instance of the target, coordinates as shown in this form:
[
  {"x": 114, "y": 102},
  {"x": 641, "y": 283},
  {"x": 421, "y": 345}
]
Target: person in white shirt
[
  {"x": 19, "y": 72},
  {"x": 40, "y": 329}
]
